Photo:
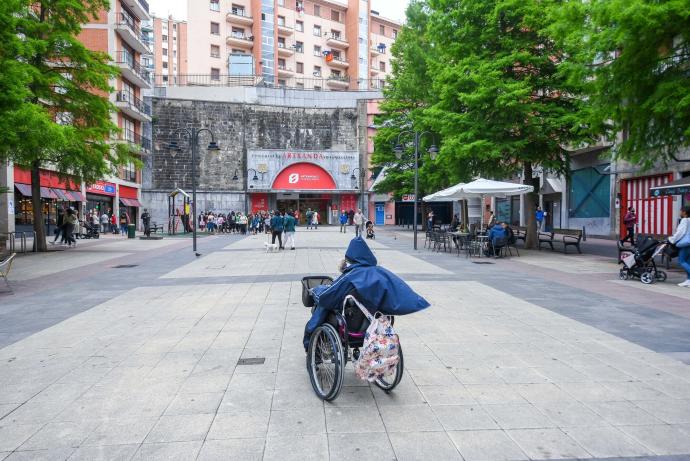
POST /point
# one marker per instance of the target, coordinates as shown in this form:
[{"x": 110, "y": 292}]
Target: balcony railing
[
  {"x": 138, "y": 104},
  {"x": 296, "y": 82},
  {"x": 240, "y": 12},
  {"x": 242, "y": 36},
  {"x": 135, "y": 138},
  {"x": 125, "y": 18},
  {"x": 125, "y": 57}
]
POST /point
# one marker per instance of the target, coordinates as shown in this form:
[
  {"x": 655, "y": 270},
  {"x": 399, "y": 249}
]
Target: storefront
[
  {"x": 56, "y": 193},
  {"x": 99, "y": 197},
  {"x": 129, "y": 202},
  {"x": 654, "y": 213},
  {"x": 303, "y": 180}
]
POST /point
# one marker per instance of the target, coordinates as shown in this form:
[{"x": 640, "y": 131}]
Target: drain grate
[
  {"x": 125, "y": 266},
  {"x": 481, "y": 262},
  {"x": 252, "y": 361}
]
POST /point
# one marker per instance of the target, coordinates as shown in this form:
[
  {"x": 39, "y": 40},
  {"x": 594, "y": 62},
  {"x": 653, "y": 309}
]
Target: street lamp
[
  {"x": 193, "y": 137},
  {"x": 360, "y": 173},
  {"x": 235, "y": 177},
  {"x": 399, "y": 149}
]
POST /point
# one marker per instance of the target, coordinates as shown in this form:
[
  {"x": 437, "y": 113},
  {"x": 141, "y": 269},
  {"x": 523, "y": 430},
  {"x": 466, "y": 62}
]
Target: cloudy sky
[{"x": 394, "y": 9}]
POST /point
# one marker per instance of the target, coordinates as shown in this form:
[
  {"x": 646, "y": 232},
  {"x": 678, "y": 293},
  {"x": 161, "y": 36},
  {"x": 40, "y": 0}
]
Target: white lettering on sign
[{"x": 293, "y": 178}]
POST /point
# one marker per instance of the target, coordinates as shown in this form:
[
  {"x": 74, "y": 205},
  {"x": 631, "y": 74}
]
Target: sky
[{"x": 393, "y": 9}]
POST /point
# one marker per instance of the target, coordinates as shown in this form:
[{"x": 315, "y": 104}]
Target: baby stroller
[
  {"x": 639, "y": 262},
  {"x": 370, "y": 230},
  {"x": 337, "y": 341},
  {"x": 90, "y": 231}
]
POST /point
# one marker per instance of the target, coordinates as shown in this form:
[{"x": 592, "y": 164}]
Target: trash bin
[{"x": 131, "y": 230}]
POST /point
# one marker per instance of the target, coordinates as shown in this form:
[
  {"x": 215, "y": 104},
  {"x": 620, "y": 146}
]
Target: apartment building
[
  {"x": 311, "y": 44},
  {"x": 169, "y": 48}
]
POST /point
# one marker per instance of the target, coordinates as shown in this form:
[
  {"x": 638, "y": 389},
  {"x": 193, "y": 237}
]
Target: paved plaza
[{"x": 127, "y": 349}]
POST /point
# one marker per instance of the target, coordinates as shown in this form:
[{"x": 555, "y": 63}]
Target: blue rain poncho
[{"x": 377, "y": 288}]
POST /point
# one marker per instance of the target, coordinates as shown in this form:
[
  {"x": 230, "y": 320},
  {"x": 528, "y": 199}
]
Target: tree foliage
[
  {"x": 54, "y": 102},
  {"x": 634, "y": 58}
]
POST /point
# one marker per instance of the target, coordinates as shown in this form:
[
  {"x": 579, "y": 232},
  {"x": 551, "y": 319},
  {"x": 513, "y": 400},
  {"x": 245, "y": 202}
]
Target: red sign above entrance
[
  {"x": 102, "y": 188},
  {"x": 259, "y": 202},
  {"x": 304, "y": 176}
]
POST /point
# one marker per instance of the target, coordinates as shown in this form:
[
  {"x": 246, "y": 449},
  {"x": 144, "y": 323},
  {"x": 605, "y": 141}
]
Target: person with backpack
[
  {"x": 277, "y": 227},
  {"x": 681, "y": 240}
]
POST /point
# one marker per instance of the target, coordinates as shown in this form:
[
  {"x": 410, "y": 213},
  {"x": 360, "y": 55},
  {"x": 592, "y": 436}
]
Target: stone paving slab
[{"x": 153, "y": 374}]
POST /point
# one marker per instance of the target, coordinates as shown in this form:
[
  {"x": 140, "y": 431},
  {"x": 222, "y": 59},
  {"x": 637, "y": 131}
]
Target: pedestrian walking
[
  {"x": 310, "y": 217},
  {"x": 430, "y": 220},
  {"x": 105, "y": 222},
  {"x": 289, "y": 223},
  {"x": 681, "y": 239},
  {"x": 277, "y": 227},
  {"x": 539, "y": 214},
  {"x": 359, "y": 222},
  {"x": 70, "y": 223},
  {"x": 350, "y": 217},
  {"x": 113, "y": 223},
  {"x": 124, "y": 222},
  {"x": 315, "y": 220},
  {"x": 343, "y": 222},
  {"x": 146, "y": 220},
  {"x": 60, "y": 226},
  {"x": 630, "y": 221}
]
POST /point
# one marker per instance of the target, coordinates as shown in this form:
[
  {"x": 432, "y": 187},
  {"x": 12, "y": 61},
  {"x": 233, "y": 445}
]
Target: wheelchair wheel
[
  {"x": 325, "y": 362},
  {"x": 388, "y": 382}
]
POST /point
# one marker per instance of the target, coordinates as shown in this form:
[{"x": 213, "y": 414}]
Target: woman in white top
[{"x": 682, "y": 230}]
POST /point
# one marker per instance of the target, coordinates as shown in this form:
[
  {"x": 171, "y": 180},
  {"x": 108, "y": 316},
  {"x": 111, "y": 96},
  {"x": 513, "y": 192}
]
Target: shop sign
[
  {"x": 259, "y": 202},
  {"x": 408, "y": 198},
  {"x": 304, "y": 176},
  {"x": 102, "y": 188}
]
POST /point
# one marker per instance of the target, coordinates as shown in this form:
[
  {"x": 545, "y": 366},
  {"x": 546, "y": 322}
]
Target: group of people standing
[{"x": 69, "y": 227}]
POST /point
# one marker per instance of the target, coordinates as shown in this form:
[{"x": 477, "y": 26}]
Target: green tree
[
  {"x": 633, "y": 56},
  {"x": 57, "y": 113}
]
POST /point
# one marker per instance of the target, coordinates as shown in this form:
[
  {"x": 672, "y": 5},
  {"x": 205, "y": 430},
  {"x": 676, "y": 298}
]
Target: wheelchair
[{"x": 337, "y": 341}]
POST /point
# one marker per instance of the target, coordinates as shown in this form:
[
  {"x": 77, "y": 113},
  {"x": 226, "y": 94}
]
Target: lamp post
[
  {"x": 193, "y": 137},
  {"x": 235, "y": 177},
  {"x": 399, "y": 149},
  {"x": 356, "y": 183}
]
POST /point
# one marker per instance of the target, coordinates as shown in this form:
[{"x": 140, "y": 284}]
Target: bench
[
  {"x": 568, "y": 237},
  {"x": 6, "y": 267},
  {"x": 520, "y": 233},
  {"x": 155, "y": 227}
]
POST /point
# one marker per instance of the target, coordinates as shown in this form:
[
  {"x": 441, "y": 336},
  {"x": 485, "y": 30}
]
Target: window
[
  {"x": 165, "y": 78},
  {"x": 215, "y": 51},
  {"x": 382, "y": 30},
  {"x": 174, "y": 53},
  {"x": 281, "y": 2},
  {"x": 215, "y": 28},
  {"x": 317, "y": 88},
  {"x": 165, "y": 65},
  {"x": 215, "y": 5},
  {"x": 281, "y": 42},
  {"x": 129, "y": 172},
  {"x": 395, "y": 34},
  {"x": 238, "y": 10},
  {"x": 335, "y": 15},
  {"x": 281, "y": 63},
  {"x": 299, "y": 25},
  {"x": 300, "y": 68},
  {"x": 237, "y": 51},
  {"x": 317, "y": 31},
  {"x": 336, "y": 55},
  {"x": 317, "y": 50},
  {"x": 164, "y": 38},
  {"x": 174, "y": 26},
  {"x": 299, "y": 47},
  {"x": 336, "y": 34},
  {"x": 317, "y": 10},
  {"x": 238, "y": 32},
  {"x": 299, "y": 6},
  {"x": 215, "y": 74},
  {"x": 299, "y": 85},
  {"x": 281, "y": 20},
  {"x": 382, "y": 66},
  {"x": 335, "y": 73},
  {"x": 165, "y": 51},
  {"x": 317, "y": 71}
]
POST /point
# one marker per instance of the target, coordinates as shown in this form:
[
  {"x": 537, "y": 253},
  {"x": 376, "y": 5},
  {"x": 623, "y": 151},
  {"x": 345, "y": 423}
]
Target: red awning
[
  {"x": 24, "y": 189},
  {"x": 130, "y": 202},
  {"x": 135, "y": 202},
  {"x": 76, "y": 196}
]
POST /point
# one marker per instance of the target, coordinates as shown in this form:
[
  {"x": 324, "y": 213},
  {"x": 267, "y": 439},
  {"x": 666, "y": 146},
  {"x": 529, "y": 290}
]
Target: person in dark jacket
[
  {"x": 630, "y": 220},
  {"x": 289, "y": 223},
  {"x": 277, "y": 226},
  {"x": 146, "y": 220},
  {"x": 375, "y": 287}
]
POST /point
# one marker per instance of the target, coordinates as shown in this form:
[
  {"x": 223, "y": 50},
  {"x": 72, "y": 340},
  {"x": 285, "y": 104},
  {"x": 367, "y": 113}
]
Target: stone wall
[{"x": 238, "y": 128}]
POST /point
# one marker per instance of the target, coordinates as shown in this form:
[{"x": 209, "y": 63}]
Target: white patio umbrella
[{"x": 444, "y": 195}]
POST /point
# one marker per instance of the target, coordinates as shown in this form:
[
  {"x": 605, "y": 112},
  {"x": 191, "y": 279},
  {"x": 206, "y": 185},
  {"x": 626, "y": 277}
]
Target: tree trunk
[
  {"x": 531, "y": 237},
  {"x": 39, "y": 226}
]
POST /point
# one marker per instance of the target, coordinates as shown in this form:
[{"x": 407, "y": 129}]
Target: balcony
[
  {"x": 133, "y": 106},
  {"x": 239, "y": 16},
  {"x": 139, "y": 7},
  {"x": 337, "y": 41},
  {"x": 338, "y": 63},
  {"x": 374, "y": 70},
  {"x": 377, "y": 50},
  {"x": 284, "y": 29},
  {"x": 338, "y": 81},
  {"x": 131, "y": 34},
  {"x": 284, "y": 71},
  {"x": 135, "y": 140},
  {"x": 285, "y": 50},
  {"x": 240, "y": 40},
  {"x": 132, "y": 70}
]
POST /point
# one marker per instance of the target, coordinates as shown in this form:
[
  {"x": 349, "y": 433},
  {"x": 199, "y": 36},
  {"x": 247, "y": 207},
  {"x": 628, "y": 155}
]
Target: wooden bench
[
  {"x": 568, "y": 237},
  {"x": 6, "y": 267},
  {"x": 520, "y": 233}
]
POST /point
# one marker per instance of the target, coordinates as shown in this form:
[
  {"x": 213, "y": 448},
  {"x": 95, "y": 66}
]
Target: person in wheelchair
[{"x": 378, "y": 289}]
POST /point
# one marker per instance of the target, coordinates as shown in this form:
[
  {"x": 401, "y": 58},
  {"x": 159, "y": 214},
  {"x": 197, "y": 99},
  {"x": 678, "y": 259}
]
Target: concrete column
[{"x": 7, "y": 200}]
